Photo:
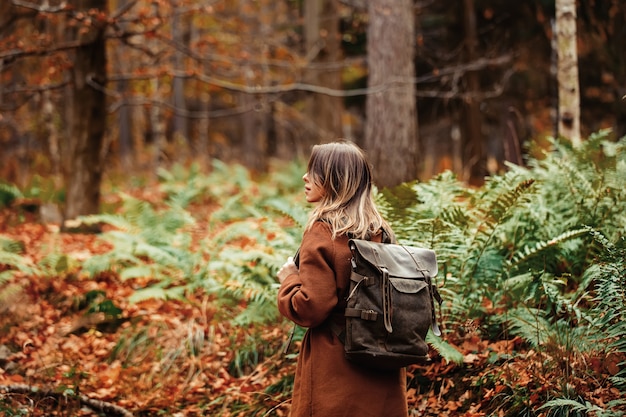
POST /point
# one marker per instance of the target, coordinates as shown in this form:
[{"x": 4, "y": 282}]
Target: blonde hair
[{"x": 342, "y": 171}]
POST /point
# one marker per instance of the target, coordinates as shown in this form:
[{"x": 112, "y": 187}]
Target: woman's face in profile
[{"x": 312, "y": 191}]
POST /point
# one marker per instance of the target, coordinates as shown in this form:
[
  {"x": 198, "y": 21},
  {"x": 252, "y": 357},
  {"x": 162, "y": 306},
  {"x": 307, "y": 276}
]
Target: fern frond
[
  {"x": 571, "y": 405},
  {"x": 578, "y": 181},
  {"x": 608, "y": 279},
  {"x": 528, "y": 252},
  {"x": 447, "y": 351},
  {"x": 55, "y": 263},
  {"x": 8, "y": 193},
  {"x": 528, "y": 323},
  {"x": 505, "y": 202},
  {"x": 118, "y": 221},
  {"x": 296, "y": 213},
  {"x": 157, "y": 292},
  {"x": 10, "y": 245},
  {"x": 8, "y": 293},
  {"x": 395, "y": 202},
  {"x": 116, "y": 260},
  {"x": 161, "y": 255},
  {"x": 519, "y": 283},
  {"x": 11, "y": 258},
  {"x": 456, "y": 215},
  {"x": 619, "y": 380},
  {"x": 181, "y": 185}
]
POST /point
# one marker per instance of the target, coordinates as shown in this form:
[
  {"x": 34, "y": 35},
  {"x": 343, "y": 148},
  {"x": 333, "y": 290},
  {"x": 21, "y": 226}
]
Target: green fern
[
  {"x": 151, "y": 242},
  {"x": 528, "y": 323},
  {"x": 447, "y": 351},
  {"x": 182, "y": 185},
  {"x": 497, "y": 203},
  {"x": 528, "y": 252},
  {"x": 249, "y": 274},
  {"x": 571, "y": 408},
  {"x": 297, "y": 213},
  {"x": 8, "y": 193},
  {"x": 12, "y": 261},
  {"x": 608, "y": 279},
  {"x": 238, "y": 263}
]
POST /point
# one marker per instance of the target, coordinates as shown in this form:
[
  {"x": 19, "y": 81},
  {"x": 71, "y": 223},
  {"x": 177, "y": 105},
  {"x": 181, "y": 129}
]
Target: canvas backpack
[{"x": 390, "y": 304}]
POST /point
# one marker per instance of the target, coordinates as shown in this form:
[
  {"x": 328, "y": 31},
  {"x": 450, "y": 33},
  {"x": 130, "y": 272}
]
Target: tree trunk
[
  {"x": 125, "y": 126},
  {"x": 181, "y": 129},
  {"x": 82, "y": 167},
  {"x": 51, "y": 131},
  {"x": 201, "y": 141},
  {"x": 323, "y": 41},
  {"x": 124, "y": 113},
  {"x": 567, "y": 71},
  {"x": 157, "y": 128},
  {"x": 474, "y": 155},
  {"x": 156, "y": 117},
  {"x": 391, "y": 126},
  {"x": 255, "y": 121}
]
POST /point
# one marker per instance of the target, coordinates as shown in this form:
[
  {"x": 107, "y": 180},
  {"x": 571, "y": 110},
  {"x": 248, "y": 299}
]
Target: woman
[{"x": 338, "y": 181}]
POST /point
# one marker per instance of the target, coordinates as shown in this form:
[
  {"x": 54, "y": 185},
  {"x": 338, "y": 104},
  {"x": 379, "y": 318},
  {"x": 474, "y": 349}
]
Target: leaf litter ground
[{"x": 172, "y": 357}]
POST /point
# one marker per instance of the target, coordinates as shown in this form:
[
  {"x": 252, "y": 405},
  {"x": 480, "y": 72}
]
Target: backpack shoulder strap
[
  {"x": 296, "y": 257},
  {"x": 386, "y": 238}
]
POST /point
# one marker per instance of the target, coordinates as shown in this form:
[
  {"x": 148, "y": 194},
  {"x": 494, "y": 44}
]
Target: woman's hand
[{"x": 287, "y": 269}]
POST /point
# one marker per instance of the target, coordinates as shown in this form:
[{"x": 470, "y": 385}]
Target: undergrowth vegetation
[
  {"x": 536, "y": 256},
  {"x": 538, "y": 253}
]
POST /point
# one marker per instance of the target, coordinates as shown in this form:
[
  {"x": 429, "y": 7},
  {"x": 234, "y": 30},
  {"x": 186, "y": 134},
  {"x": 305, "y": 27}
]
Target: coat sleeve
[{"x": 308, "y": 297}]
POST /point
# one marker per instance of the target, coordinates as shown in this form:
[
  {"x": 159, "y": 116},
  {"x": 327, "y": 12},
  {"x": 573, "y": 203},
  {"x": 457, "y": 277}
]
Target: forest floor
[{"x": 171, "y": 357}]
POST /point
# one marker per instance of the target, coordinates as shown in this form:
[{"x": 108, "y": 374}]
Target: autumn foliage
[{"x": 169, "y": 308}]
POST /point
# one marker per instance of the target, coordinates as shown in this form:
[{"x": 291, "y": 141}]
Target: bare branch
[
  {"x": 28, "y": 93},
  {"x": 454, "y": 93},
  {"x": 42, "y": 8},
  {"x": 142, "y": 101},
  {"x": 96, "y": 405},
  {"x": 392, "y": 82},
  {"x": 356, "y": 4},
  {"x": 15, "y": 104},
  {"x": 21, "y": 53},
  {"x": 35, "y": 89},
  {"x": 461, "y": 69},
  {"x": 119, "y": 12}
]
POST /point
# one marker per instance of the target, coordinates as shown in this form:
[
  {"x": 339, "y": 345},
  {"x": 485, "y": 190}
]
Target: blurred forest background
[
  {"x": 98, "y": 87},
  {"x": 178, "y": 132}
]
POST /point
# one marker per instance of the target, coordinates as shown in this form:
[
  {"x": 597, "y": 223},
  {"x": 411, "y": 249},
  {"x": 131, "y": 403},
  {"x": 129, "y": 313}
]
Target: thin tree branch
[
  {"x": 476, "y": 95},
  {"x": 125, "y": 8},
  {"x": 453, "y": 93},
  {"x": 142, "y": 101},
  {"x": 101, "y": 406},
  {"x": 392, "y": 82},
  {"x": 44, "y": 8},
  {"x": 21, "y": 53}
]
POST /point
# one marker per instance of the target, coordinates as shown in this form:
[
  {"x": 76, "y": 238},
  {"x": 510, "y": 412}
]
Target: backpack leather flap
[
  {"x": 421, "y": 264},
  {"x": 408, "y": 286}
]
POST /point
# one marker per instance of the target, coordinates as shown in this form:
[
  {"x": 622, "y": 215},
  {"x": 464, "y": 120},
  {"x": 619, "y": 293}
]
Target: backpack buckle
[{"x": 369, "y": 315}]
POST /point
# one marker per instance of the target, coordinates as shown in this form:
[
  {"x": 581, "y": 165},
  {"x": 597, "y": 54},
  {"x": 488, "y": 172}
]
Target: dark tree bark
[
  {"x": 82, "y": 153},
  {"x": 324, "y": 41},
  {"x": 256, "y": 120},
  {"x": 474, "y": 149},
  {"x": 391, "y": 127},
  {"x": 124, "y": 117},
  {"x": 181, "y": 126}
]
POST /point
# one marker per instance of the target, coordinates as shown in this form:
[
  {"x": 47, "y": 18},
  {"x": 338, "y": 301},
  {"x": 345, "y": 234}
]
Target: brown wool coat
[{"x": 326, "y": 384}]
